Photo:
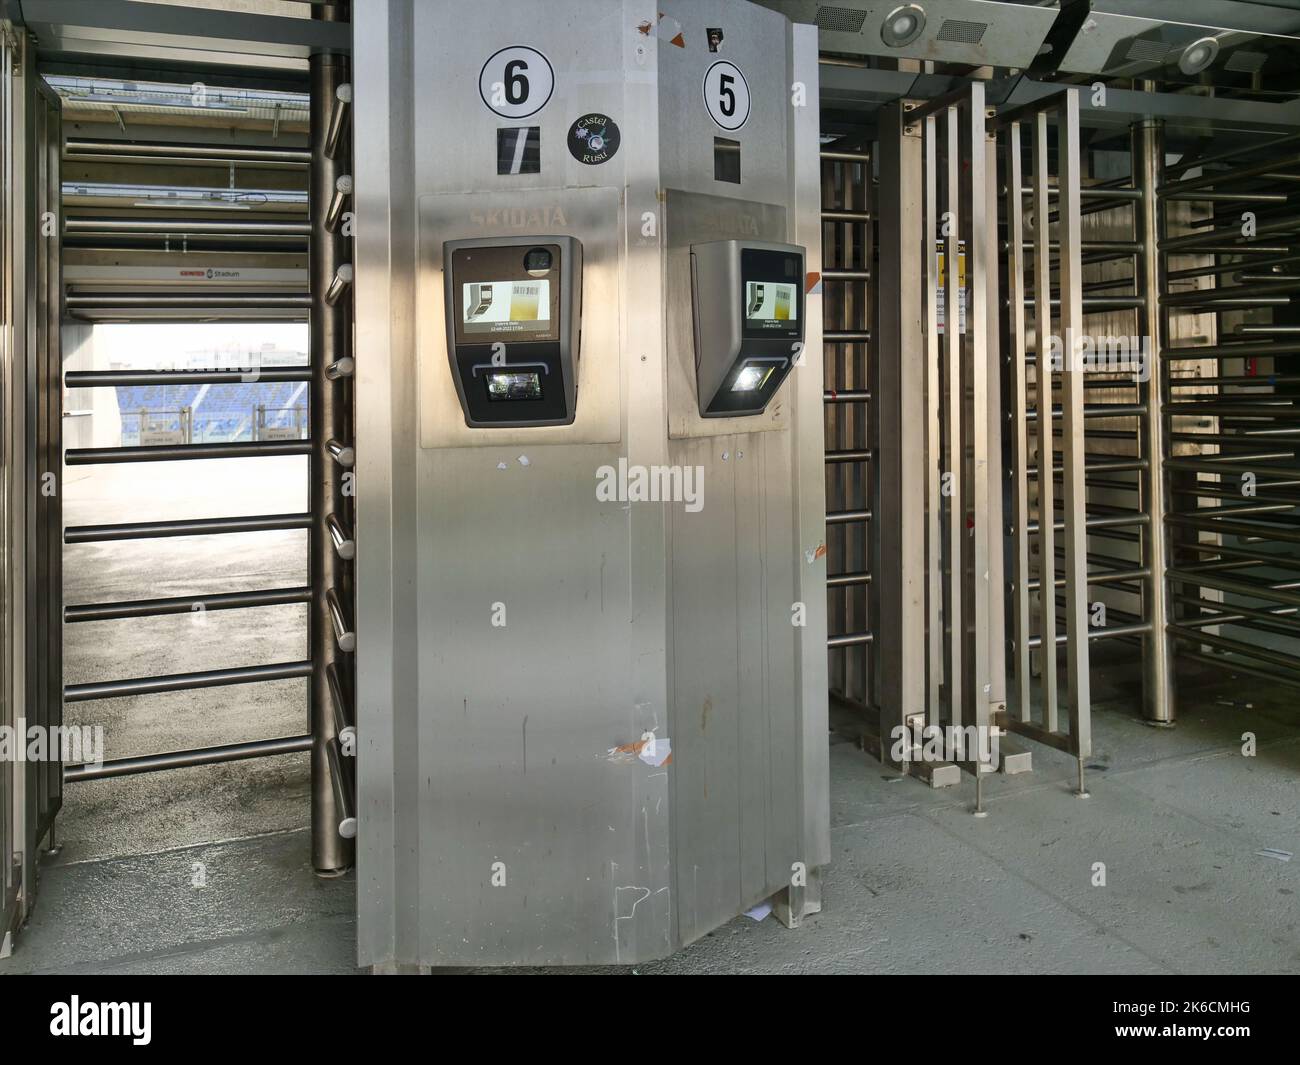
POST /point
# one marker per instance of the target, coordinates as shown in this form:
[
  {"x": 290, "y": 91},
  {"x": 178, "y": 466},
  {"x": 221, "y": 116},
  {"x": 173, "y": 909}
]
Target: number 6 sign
[
  {"x": 516, "y": 82},
  {"x": 726, "y": 95}
]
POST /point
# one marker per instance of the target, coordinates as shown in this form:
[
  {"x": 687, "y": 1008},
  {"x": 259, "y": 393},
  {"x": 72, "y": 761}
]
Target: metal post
[
  {"x": 1072, "y": 437},
  {"x": 1157, "y": 654},
  {"x": 898, "y": 435},
  {"x": 331, "y": 853}
]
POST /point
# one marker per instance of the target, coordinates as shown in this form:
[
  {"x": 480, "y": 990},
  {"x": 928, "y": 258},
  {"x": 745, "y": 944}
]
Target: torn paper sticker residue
[
  {"x": 649, "y": 748},
  {"x": 668, "y": 29},
  {"x": 811, "y": 555}
]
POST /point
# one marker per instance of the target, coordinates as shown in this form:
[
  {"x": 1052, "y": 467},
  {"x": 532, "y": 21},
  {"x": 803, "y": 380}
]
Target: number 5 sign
[
  {"x": 516, "y": 82},
  {"x": 726, "y": 95}
]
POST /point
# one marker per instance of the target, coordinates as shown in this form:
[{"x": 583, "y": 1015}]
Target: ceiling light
[{"x": 903, "y": 25}]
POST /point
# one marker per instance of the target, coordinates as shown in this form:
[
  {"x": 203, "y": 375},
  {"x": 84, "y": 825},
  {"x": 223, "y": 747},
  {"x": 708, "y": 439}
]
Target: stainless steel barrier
[
  {"x": 1046, "y": 422},
  {"x": 1228, "y": 283}
]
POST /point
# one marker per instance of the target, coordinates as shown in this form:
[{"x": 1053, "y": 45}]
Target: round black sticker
[{"x": 593, "y": 139}]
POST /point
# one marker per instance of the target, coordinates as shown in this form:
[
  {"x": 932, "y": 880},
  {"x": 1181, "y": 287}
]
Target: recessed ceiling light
[
  {"x": 903, "y": 25},
  {"x": 1198, "y": 55}
]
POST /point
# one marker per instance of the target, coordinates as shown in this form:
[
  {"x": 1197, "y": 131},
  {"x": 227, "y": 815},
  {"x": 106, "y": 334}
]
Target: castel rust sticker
[{"x": 594, "y": 139}]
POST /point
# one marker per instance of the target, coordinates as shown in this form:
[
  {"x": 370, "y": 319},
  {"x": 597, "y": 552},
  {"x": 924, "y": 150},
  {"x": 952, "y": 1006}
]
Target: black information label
[
  {"x": 519, "y": 150},
  {"x": 594, "y": 139}
]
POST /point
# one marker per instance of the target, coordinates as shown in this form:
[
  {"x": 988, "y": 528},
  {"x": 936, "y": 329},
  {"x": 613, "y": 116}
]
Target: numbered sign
[
  {"x": 726, "y": 95},
  {"x": 516, "y": 82}
]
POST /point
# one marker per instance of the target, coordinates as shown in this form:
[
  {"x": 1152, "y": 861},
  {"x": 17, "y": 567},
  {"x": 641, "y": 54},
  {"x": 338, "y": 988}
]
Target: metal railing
[
  {"x": 848, "y": 242},
  {"x": 1229, "y": 279},
  {"x": 1046, "y": 423}
]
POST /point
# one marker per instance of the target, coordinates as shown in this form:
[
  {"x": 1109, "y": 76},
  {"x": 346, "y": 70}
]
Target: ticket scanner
[
  {"x": 514, "y": 312},
  {"x": 749, "y": 322}
]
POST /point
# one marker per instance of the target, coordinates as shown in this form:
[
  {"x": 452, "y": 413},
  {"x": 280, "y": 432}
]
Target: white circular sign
[
  {"x": 516, "y": 82},
  {"x": 726, "y": 95}
]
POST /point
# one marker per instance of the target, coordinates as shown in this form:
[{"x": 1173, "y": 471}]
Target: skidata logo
[{"x": 131, "y": 1019}]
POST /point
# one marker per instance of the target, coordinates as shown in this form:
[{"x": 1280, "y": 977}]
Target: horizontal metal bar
[
  {"x": 846, "y": 580},
  {"x": 1250, "y": 589},
  {"x": 184, "y": 604},
  {"x": 846, "y": 157},
  {"x": 342, "y": 190},
  {"x": 339, "y": 116},
  {"x": 1107, "y": 632},
  {"x": 344, "y": 719},
  {"x": 1106, "y": 521},
  {"x": 149, "y": 530},
  {"x": 1231, "y": 351},
  {"x": 1096, "y": 410},
  {"x": 849, "y": 455},
  {"x": 846, "y": 275},
  {"x": 343, "y": 780},
  {"x": 340, "y": 284},
  {"x": 1220, "y": 662},
  {"x": 1200, "y": 466},
  {"x": 846, "y": 216},
  {"x": 1237, "y": 647},
  {"x": 847, "y": 517},
  {"x": 152, "y": 763},
  {"x": 850, "y": 639},
  {"x": 847, "y": 395},
  {"x": 179, "y": 682},
  {"x": 1226, "y": 177},
  {"x": 91, "y": 456},
  {"x": 75, "y": 148},
  {"x": 206, "y": 302},
  {"x": 1087, "y": 192},
  {"x": 178, "y": 226},
  {"x": 132, "y": 378},
  {"x": 1263, "y": 530},
  {"x": 1097, "y": 578},
  {"x": 343, "y": 454},
  {"x": 1095, "y": 303},
  {"x": 343, "y": 366},
  {"x": 846, "y": 336},
  {"x": 341, "y": 537},
  {"x": 343, "y": 634}
]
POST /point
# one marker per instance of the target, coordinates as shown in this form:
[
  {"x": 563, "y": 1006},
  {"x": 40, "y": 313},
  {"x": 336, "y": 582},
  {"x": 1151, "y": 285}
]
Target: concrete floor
[{"x": 1179, "y": 817}]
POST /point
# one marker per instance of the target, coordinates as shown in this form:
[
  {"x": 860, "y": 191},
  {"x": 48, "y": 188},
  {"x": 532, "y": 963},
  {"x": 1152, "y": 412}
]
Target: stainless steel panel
[{"x": 516, "y": 743}]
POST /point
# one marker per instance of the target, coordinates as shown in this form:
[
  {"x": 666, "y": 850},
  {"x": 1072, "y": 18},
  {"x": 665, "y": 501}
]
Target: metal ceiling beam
[{"x": 171, "y": 33}]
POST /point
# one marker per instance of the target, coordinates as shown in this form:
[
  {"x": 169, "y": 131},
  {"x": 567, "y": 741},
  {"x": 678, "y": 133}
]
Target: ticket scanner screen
[
  {"x": 748, "y": 316},
  {"x": 513, "y": 326}
]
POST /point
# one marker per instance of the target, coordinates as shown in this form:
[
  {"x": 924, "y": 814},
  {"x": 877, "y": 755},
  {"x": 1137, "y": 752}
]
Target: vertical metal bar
[
  {"x": 994, "y": 645},
  {"x": 955, "y": 457},
  {"x": 1043, "y": 397},
  {"x": 1072, "y": 432},
  {"x": 897, "y": 427},
  {"x": 331, "y": 853},
  {"x": 933, "y": 458},
  {"x": 1157, "y": 651},
  {"x": 973, "y": 204},
  {"x": 1022, "y": 626}
]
